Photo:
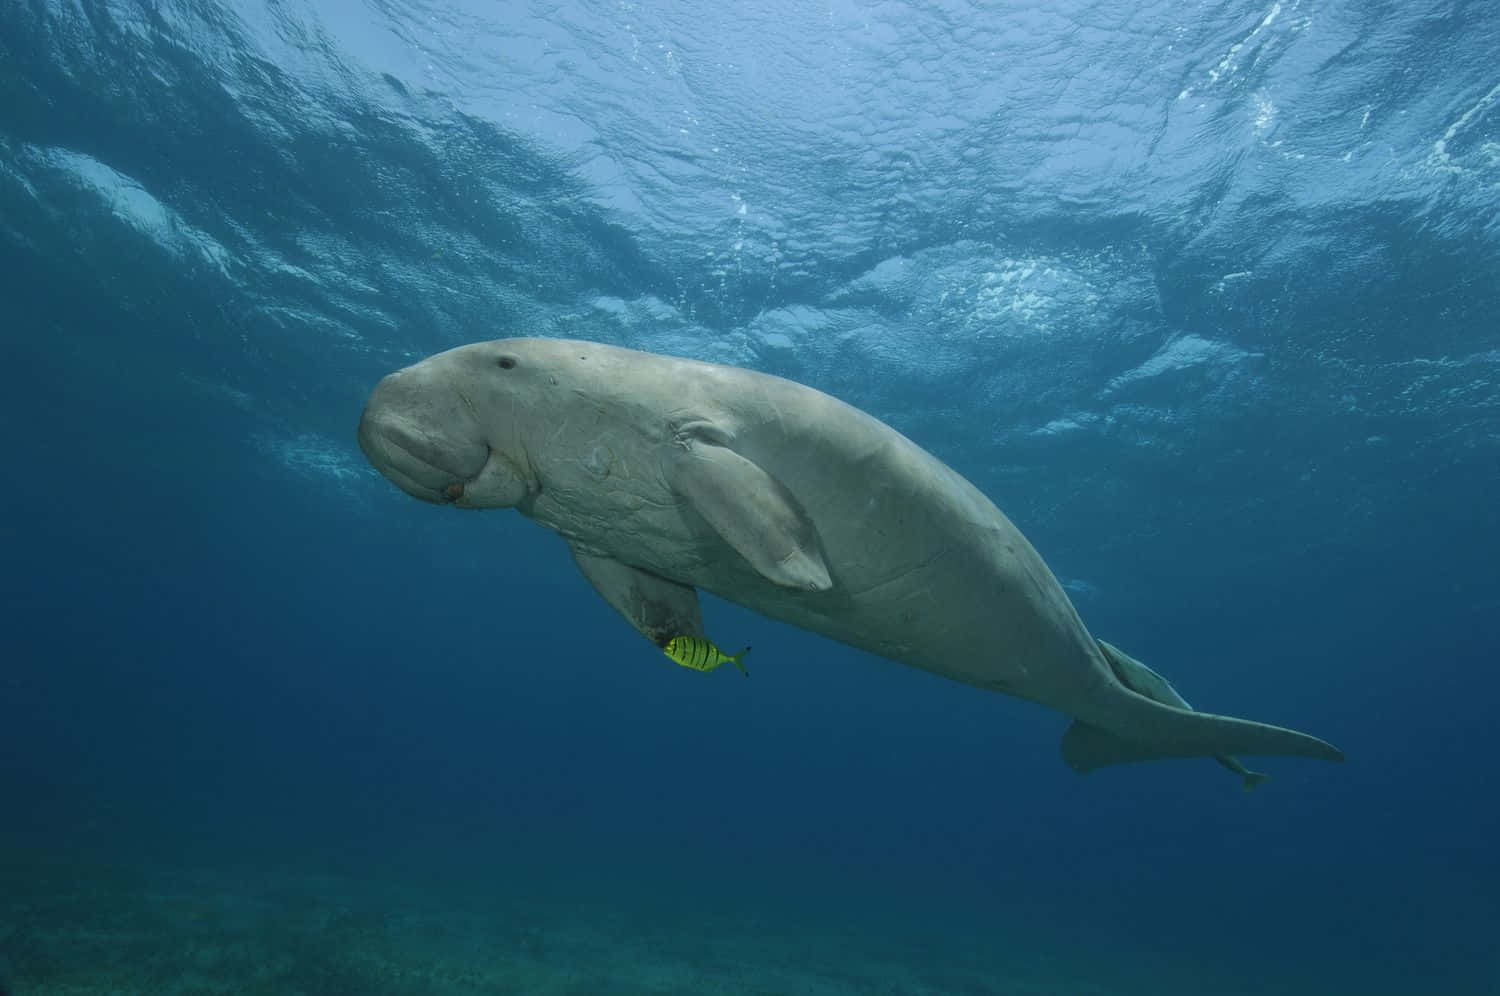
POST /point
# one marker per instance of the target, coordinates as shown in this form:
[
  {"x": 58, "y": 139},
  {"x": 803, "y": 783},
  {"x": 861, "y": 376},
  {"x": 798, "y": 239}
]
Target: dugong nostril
[{"x": 453, "y": 492}]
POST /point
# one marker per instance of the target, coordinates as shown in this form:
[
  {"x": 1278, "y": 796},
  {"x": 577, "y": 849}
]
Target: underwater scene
[{"x": 318, "y": 678}]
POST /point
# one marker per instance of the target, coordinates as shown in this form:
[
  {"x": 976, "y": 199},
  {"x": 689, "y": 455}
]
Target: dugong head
[{"x": 452, "y": 428}]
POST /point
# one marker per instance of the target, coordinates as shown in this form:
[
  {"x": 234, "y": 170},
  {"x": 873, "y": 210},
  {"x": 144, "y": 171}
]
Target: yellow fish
[{"x": 701, "y": 655}]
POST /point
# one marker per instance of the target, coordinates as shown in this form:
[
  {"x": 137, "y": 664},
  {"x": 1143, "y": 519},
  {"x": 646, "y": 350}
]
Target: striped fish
[{"x": 701, "y": 655}]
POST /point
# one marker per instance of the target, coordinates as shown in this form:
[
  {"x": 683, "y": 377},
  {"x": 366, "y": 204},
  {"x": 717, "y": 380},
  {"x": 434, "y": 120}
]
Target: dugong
[{"x": 666, "y": 476}]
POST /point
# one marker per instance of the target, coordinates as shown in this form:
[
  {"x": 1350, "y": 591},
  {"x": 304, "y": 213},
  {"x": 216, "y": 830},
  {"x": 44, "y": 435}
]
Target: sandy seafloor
[{"x": 77, "y": 926}]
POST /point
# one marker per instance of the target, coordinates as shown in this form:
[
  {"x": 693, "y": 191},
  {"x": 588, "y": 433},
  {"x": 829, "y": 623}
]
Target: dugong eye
[{"x": 505, "y": 362}]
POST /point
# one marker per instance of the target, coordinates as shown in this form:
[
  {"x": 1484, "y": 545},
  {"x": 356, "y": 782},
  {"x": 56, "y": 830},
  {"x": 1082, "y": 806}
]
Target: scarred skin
[{"x": 667, "y": 475}]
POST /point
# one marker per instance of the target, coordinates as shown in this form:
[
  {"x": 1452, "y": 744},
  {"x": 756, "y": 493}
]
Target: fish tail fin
[{"x": 736, "y": 660}]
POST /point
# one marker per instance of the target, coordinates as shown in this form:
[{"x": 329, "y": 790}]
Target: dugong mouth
[{"x": 433, "y": 468}]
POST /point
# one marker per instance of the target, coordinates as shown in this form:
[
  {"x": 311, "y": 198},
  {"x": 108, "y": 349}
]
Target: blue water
[{"x": 1204, "y": 296}]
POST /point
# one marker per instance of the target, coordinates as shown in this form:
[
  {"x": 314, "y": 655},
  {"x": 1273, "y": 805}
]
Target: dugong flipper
[
  {"x": 659, "y": 609},
  {"x": 750, "y": 509},
  {"x": 666, "y": 476}
]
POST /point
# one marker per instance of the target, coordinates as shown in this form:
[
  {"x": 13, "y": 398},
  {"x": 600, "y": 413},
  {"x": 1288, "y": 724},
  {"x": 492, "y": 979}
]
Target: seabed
[{"x": 88, "y": 928}]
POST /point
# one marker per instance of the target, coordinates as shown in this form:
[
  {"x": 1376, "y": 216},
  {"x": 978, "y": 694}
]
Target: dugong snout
[{"x": 422, "y": 439}]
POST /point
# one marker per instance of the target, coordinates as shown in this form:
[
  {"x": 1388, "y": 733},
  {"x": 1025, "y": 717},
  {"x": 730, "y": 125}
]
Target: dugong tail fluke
[
  {"x": 1249, "y": 780},
  {"x": 1253, "y": 779},
  {"x": 1157, "y": 732},
  {"x": 1145, "y": 719}
]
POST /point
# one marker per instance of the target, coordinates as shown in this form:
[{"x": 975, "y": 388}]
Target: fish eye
[{"x": 506, "y": 362}]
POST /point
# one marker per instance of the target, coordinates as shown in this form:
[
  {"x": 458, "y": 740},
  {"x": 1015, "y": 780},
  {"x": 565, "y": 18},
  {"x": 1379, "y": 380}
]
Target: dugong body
[{"x": 668, "y": 475}]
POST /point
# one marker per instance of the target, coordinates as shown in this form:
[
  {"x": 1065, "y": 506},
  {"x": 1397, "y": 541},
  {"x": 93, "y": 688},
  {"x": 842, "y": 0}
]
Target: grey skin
[
  {"x": 666, "y": 476},
  {"x": 1140, "y": 678}
]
